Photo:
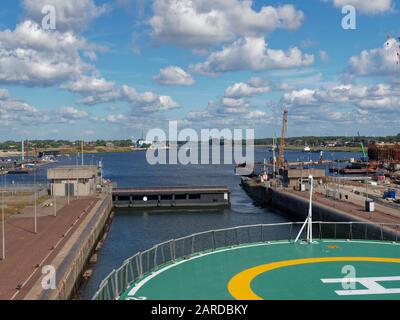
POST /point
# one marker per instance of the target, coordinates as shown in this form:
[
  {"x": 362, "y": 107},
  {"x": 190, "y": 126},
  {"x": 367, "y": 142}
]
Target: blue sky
[{"x": 112, "y": 69}]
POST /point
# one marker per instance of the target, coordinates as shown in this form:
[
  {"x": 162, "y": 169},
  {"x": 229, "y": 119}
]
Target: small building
[
  {"x": 73, "y": 180},
  {"x": 109, "y": 145},
  {"x": 292, "y": 178}
]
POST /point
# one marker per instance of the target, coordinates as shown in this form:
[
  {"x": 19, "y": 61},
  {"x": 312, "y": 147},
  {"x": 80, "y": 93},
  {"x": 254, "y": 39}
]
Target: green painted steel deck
[{"x": 327, "y": 269}]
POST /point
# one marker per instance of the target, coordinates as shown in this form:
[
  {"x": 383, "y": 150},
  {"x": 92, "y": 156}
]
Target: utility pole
[
  {"x": 55, "y": 203},
  {"x": 23, "y": 151},
  {"x": 68, "y": 191},
  {"x": 273, "y": 157},
  {"x": 3, "y": 221},
  {"x": 82, "y": 151},
  {"x": 35, "y": 195}
]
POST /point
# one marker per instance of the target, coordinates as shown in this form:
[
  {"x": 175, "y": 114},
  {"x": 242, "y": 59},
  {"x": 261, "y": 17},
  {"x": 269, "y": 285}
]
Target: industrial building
[
  {"x": 74, "y": 181},
  {"x": 294, "y": 178}
]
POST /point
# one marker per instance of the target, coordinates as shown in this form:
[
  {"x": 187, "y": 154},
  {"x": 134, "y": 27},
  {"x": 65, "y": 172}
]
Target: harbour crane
[
  {"x": 281, "y": 160},
  {"x": 364, "y": 157}
]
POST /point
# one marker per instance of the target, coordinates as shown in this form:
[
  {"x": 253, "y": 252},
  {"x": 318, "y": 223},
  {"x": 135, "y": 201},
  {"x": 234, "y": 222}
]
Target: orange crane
[{"x": 281, "y": 160}]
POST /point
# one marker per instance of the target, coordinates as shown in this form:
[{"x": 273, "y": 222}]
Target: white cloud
[
  {"x": 172, "y": 76},
  {"x": 230, "y": 105},
  {"x": 378, "y": 98},
  {"x": 323, "y": 55},
  {"x": 369, "y": 7},
  {"x": 112, "y": 118},
  {"x": 14, "y": 112},
  {"x": 70, "y": 115},
  {"x": 199, "y": 23},
  {"x": 147, "y": 101},
  {"x": 253, "y": 87},
  {"x": 379, "y": 61},
  {"x": 31, "y": 56},
  {"x": 89, "y": 85},
  {"x": 115, "y": 118},
  {"x": 254, "y": 115},
  {"x": 98, "y": 90},
  {"x": 71, "y": 15},
  {"x": 199, "y": 115},
  {"x": 251, "y": 54},
  {"x": 227, "y": 112}
]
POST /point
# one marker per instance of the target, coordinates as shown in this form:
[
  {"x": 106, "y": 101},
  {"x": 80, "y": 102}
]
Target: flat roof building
[
  {"x": 294, "y": 177},
  {"x": 73, "y": 180}
]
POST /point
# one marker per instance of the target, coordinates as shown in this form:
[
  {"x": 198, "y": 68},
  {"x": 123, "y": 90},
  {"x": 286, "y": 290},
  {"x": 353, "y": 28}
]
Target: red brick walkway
[{"x": 25, "y": 249}]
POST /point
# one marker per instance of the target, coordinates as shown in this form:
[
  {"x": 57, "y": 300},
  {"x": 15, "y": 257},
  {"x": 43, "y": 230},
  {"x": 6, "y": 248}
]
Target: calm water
[{"x": 133, "y": 231}]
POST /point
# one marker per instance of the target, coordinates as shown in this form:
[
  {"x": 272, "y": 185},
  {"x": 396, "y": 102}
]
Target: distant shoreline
[{"x": 6, "y": 154}]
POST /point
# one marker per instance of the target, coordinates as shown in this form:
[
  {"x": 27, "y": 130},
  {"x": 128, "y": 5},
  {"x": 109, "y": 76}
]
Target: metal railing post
[
  {"x": 155, "y": 257},
  {"x": 237, "y": 236},
  {"x": 262, "y": 233},
  {"x": 213, "y": 239},
  {"x": 320, "y": 231},
  {"x": 174, "y": 250},
  {"x": 366, "y": 232},
  {"x": 351, "y": 231},
  {"x": 141, "y": 263}
]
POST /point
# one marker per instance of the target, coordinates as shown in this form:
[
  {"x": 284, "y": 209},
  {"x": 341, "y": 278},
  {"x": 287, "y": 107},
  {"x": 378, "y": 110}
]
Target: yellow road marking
[{"x": 240, "y": 285}]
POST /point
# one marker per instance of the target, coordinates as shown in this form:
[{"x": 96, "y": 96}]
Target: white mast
[
  {"x": 23, "y": 151},
  {"x": 273, "y": 156},
  {"x": 82, "y": 151},
  {"x": 308, "y": 221},
  {"x": 3, "y": 220}
]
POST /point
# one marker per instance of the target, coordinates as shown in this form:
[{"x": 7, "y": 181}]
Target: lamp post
[
  {"x": 35, "y": 196},
  {"x": 3, "y": 221},
  {"x": 55, "y": 203}
]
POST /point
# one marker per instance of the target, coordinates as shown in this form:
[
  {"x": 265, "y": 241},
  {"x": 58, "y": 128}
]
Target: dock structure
[{"x": 162, "y": 197}]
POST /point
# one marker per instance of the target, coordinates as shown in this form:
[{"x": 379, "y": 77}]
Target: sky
[{"x": 95, "y": 69}]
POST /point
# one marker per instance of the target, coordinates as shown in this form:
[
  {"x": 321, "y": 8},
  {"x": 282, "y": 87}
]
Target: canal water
[{"x": 133, "y": 231}]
